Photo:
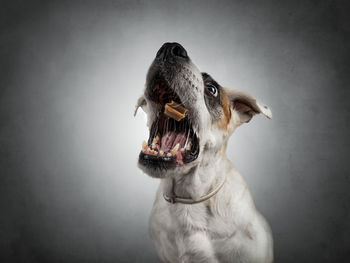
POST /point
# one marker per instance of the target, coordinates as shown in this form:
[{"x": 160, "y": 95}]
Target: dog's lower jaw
[
  {"x": 153, "y": 173},
  {"x": 178, "y": 170}
]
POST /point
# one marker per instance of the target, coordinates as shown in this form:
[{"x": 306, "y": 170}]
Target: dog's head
[{"x": 211, "y": 114}]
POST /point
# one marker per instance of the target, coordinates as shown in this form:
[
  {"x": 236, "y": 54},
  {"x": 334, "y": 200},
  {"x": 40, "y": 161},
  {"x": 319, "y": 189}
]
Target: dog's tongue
[{"x": 170, "y": 139}]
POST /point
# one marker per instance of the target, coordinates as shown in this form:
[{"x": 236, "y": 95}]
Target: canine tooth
[
  {"x": 189, "y": 146},
  {"x": 168, "y": 154},
  {"x": 144, "y": 144},
  {"x": 161, "y": 153},
  {"x": 174, "y": 150},
  {"x": 156, "y": 139}
]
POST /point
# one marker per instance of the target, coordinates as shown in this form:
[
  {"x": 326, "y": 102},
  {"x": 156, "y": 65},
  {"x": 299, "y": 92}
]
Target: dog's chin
[{"x": 159, "y": 171}]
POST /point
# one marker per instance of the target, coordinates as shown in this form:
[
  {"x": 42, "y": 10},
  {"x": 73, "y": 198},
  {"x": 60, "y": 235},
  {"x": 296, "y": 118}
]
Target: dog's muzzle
[{"x": 172, "y": 139}]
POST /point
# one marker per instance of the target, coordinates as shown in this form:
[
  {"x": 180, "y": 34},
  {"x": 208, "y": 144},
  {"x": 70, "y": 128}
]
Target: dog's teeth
[
  {"x": 189, "y": 146},
  {"x": 174, "y": 150},
  {"x": 154, "y": 142},
  {"x": 161, "y": 153},
  {"x": 168, "y": 154},
  {"x": 144, "y": 146},
  {"x": 155, "y": 139}
]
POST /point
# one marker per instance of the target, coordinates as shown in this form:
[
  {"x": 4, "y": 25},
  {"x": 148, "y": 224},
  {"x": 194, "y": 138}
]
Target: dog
[{"x": 203, "y": 210}]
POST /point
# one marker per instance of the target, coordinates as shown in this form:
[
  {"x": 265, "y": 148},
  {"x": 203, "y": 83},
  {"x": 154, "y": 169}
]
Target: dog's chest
[
  {"x": 189, "y": 217},
  {"x": 171, "y": 226}
]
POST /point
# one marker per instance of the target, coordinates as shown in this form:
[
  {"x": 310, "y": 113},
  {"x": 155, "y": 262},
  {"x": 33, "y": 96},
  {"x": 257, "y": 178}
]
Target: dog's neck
[{"x": 200, "y": 179}]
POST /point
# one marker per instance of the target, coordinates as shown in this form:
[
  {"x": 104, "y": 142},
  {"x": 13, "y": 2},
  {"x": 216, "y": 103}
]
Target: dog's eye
[{"x": 212, "y": 90}]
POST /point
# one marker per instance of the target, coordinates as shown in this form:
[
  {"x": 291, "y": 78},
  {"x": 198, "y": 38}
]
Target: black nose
[{"x": 171, "y": 50}]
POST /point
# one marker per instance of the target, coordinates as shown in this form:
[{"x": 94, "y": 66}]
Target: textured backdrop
[{"x": 71, "y": 72}]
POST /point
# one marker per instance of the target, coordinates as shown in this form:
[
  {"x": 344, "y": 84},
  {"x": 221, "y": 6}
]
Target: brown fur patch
[{"x": 226, "y": 117}]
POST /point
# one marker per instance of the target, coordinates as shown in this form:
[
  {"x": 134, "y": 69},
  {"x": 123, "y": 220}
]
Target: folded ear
[
  {"x": 246, "y": 105},
  {"x": 141, "y": 102}
]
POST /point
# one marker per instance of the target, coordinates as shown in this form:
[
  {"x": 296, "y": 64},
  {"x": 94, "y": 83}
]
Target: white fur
[{"x": 227, "y": 227}]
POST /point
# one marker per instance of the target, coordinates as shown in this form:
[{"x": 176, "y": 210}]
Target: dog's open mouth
[{"x": 172, "y": 140}]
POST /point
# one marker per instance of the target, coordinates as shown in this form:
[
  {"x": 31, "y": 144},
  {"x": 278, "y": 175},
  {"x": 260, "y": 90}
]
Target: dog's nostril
[
  {"x": 171, "y": 50},
  {"x": 179, "y": 51}
]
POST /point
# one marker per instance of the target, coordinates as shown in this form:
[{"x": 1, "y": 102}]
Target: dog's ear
[
  {"x": 246, "y": 105},
  {"x": 141, "y": 102}
]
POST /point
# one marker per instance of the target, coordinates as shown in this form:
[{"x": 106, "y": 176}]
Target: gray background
[{"x": 71, "y": 72}]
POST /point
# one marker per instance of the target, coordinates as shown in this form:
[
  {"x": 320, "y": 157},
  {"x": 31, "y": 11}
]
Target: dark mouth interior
[
  {"x": 170, "y": 142},
  {"x": 162, "y": 93}
]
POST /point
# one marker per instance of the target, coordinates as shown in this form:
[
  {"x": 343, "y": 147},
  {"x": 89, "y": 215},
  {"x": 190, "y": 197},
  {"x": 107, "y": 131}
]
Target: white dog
[{"x": 203, "y": 210}]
